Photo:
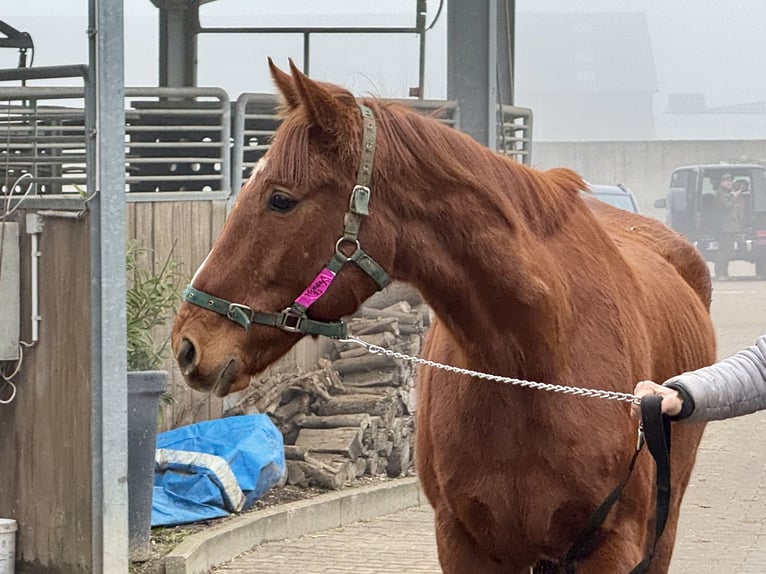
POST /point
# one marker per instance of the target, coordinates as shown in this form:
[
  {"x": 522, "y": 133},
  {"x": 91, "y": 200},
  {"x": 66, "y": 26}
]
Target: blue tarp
[{"x": 210, "y": 469}]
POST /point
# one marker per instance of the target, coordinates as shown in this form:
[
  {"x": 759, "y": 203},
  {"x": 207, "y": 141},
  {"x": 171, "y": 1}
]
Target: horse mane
[{"x": 426, "y": 148}]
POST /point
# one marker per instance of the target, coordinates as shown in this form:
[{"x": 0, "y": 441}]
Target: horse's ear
[
  {"x": 322, "y": 108},
  {"x": 285, "y": 85}
]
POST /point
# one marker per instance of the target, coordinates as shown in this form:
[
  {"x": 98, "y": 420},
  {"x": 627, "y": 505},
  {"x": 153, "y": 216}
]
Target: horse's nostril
[{"x": 186, "y": 355}]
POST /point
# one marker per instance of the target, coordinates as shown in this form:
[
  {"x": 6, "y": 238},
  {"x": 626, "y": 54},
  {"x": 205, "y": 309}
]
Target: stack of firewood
[{"x": 355, "y": 414}]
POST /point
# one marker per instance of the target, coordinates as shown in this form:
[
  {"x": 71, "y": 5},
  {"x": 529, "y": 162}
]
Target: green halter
[{"x": 294, "y": 318}]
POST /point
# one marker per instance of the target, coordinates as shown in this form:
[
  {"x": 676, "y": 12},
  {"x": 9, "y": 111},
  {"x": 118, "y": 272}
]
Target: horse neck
[{"x": 474, "y": 244}]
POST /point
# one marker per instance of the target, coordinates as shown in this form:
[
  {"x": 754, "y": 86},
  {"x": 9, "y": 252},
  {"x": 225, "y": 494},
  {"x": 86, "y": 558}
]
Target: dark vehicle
[
  {"x": 694, "y": 209},
  {"x": 616, "y": 195}
]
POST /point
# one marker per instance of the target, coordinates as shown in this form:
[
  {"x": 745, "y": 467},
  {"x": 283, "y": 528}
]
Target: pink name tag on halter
[{"x": 317, "y": 288}]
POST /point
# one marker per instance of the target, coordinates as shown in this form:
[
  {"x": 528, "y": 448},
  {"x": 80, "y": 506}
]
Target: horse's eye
[{"x": 281, "y": 202}]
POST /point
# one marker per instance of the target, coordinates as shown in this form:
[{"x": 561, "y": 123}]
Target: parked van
[{"x": 694, "y": 209}]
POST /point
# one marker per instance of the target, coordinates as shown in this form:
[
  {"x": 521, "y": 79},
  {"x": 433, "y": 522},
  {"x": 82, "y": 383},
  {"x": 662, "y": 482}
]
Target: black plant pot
[{"x": 144, "y": 390}]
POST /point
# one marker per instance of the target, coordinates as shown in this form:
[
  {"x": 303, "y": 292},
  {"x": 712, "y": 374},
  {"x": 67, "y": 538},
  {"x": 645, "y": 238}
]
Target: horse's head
[{"x": 298, "y": 219}]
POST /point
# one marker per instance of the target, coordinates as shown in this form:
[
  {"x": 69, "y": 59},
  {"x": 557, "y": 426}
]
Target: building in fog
[{"x": 587, "y": 76}]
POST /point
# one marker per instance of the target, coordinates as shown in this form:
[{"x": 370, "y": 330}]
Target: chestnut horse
[{"x": 528, "y": 278}]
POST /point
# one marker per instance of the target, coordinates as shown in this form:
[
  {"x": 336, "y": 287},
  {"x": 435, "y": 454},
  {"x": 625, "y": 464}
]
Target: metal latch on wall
[
  {"x": 34, "y": 227},
  {"x": 10, "y": 285}
]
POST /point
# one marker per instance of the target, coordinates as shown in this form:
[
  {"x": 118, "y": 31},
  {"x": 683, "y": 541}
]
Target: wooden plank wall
[
  {"x": 188, "y": 230},
  {"x": 45, "y": 434}
]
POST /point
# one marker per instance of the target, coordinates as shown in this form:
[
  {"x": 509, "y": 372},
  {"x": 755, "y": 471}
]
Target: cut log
[
  {"x": 360, "y": 466},
  {"x": 372, "y": 379},
  {"x": 413, "y": 329},
  {"x": 409, "y": 345},
  {"x": 285, "y": 413},
  {"x": 384, "y": 407},
  {"x": 425, "y": 314},
  {"x": 372, "y": 326},
  {"x": 293, "y": 452},
  {"x": 297, "y": 473},
  {"x": 409, "y": 397},
  {"x": 402, "y": 318},
  {"x": 356, "y": 351},
  {"x": 392, "y": 293},
  {"x": 395, "y": 429},
  {"x": 361, "y": 420},
  {"x": 341, "y": 466},
  {"x": 371, "y": 466},
  {"x": 343, "y": 440},
  {"x": 369, "y": 434},
  {"x": 266, "y": 396},
  {"x": 398, "y": 307},
  {"x": 399, "y": 460},
  {"x": 380, "y": 392},
  {"x": 366, "y": 362},
  {"x": 304, "y": 474},
  {"x": 272, "y": 391},
  {"x": 384, "y": 446}
]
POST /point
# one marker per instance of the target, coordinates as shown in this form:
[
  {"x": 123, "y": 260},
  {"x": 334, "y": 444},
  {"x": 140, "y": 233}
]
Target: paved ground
[
  {"x": 400, "y": 542},
  {"x": 723, "y": 524}
]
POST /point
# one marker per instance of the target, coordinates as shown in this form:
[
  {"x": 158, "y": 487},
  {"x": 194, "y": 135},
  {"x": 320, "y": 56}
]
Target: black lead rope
[
  {"x": 586, "y": 541},
  {"x": 656, "y": 434}
]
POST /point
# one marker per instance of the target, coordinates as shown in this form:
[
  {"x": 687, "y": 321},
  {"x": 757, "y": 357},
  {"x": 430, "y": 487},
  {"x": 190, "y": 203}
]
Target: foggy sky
[{"x": 710, "y": 47}]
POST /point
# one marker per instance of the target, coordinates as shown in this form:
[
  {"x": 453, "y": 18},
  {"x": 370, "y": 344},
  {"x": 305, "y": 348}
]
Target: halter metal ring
[
  {"x": 290, "y": 322},
  {"x": 346, "y": 240}
]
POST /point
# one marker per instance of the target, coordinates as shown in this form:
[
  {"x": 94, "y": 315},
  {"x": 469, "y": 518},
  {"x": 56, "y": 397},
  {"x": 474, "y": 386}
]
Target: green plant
[{"x": 151, "y": 302}]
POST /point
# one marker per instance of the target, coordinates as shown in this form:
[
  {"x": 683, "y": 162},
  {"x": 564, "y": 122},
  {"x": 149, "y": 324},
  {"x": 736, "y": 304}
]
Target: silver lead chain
[{"x": 595, "y": 393}]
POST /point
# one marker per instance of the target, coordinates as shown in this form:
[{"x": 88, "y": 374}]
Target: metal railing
[
  {"x": 255, "y": 121},
  {"x": 514, "y": 136},
  {"x": 180, "y": 143},
  {"x": 177, "y": 141},
  {"x": 43, "y": 139}
]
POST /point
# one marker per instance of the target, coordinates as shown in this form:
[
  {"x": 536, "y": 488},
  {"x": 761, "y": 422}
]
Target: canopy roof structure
[{"x": 480, "y": 47}]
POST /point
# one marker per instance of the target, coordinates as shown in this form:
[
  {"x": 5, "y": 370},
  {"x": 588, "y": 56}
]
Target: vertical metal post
[
  {"x": 472, "y": 66},
  {"x": 105, "y": 101},
  {"x": 306, "y": 53},
  {"x": 492, "y": 101},
  {"x": 506, "y": 32},
  {"x": 421, "y": 26},
  {"x": 178, "y": 42}
]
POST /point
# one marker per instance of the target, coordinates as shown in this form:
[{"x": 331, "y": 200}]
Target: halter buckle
[
  {"x": 360, "y": 199},
  {"x": 231, "y": 312}
]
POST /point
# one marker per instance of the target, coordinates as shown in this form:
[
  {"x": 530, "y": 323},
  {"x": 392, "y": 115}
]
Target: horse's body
[{"x": 527, "y": 279}]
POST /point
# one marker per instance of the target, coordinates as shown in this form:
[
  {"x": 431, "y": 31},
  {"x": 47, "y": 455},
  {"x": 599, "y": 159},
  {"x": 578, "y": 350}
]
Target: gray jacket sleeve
[{"x": 729, "y": 388}]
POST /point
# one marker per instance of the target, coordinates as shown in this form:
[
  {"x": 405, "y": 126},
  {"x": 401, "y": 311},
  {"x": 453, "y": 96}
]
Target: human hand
[{"x": 671, "y": 400}]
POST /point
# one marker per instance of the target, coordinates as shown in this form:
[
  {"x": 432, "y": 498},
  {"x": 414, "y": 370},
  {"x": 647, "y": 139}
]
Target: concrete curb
[{"x": 202, "y": 551}]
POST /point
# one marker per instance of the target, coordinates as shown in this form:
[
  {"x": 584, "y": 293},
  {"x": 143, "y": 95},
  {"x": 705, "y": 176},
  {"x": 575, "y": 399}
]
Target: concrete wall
[{"x": 644, "y": 166}]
